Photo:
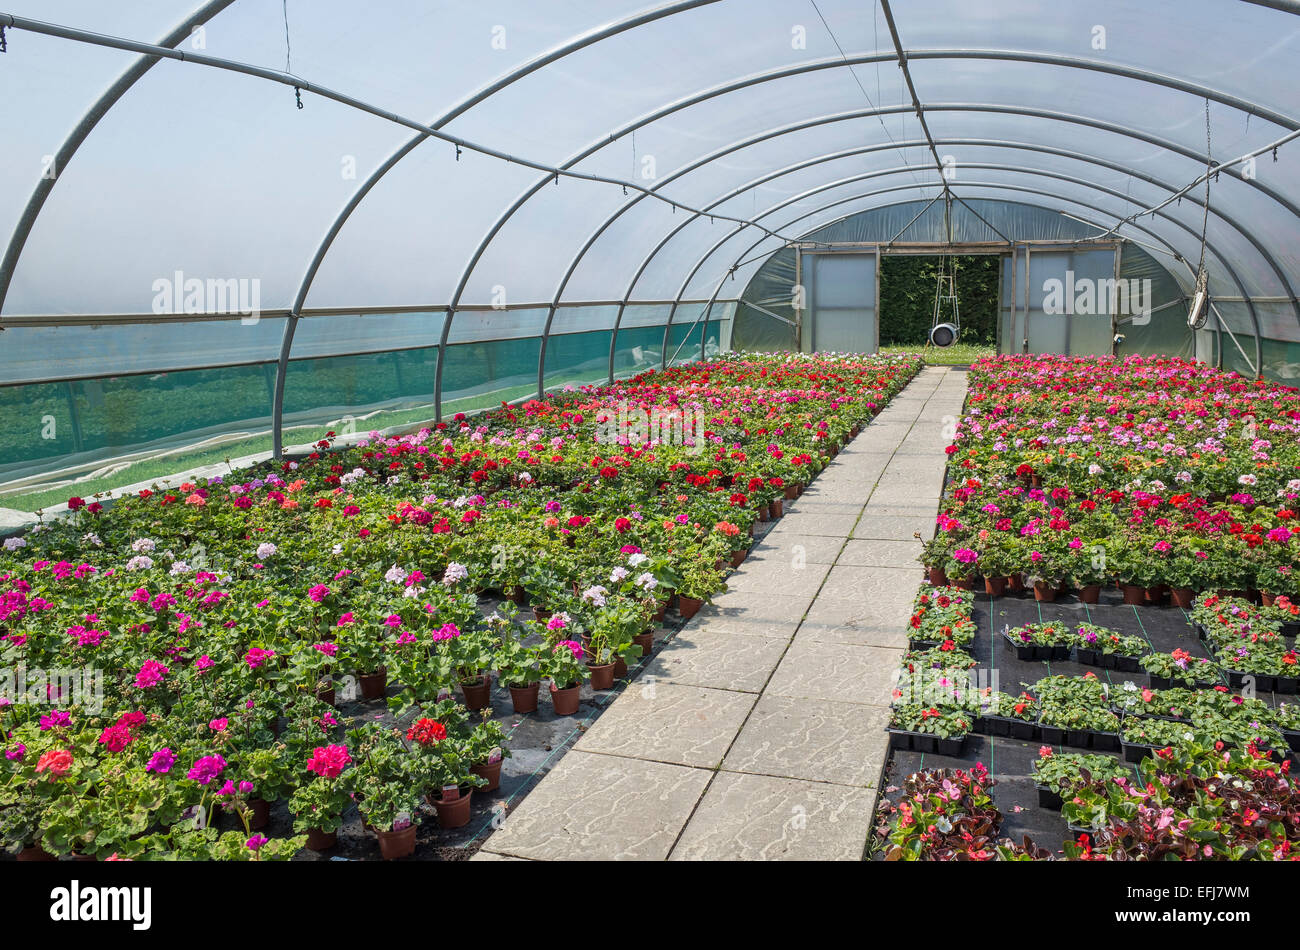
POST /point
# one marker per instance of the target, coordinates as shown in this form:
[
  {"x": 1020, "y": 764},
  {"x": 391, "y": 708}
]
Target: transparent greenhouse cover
[{"x": 369, "y": 269}]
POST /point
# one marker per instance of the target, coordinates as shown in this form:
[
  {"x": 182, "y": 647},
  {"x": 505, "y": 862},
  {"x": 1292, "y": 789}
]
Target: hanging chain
[{"x": 1209, "y": 164}]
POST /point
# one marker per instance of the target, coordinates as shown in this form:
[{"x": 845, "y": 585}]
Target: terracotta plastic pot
[
  {"x": 516, "y": 594},
  {"x": 478, "y": 693},
  {"x": 1044, "y": 592},
  {"x": 1090, "y": 594},
  {"x": 765, "y": 513},
  {"x": 1183, "y": 597},
  {"x": 565, "y": 701},
  {"x": 453, "y": 813},
  {"x": 937, "y": 577},
  {"x": 995, "y": 586},
  {"x": 373, "y": 685},
  {"x": 1134, "y": 596},
  {"x": 397, "y": 844},
  {"x": 791, "y": 492},
  {"x": 1015, "y": 583},
  {"x": 688, "y": 607},
  {"x": 663, "y": 609},
  {"x": 327, "y": 695},
  {"x": 35, "y": 853},
  {"x": 602, "y": 675},
  {"x": 541, "y": 615},
  {"x": 646, "y": 641},
  {"x": 1266, "y": 599},
  {"x": 524, "y": 698},
  {"x": 318, "y": 840},
  {"x": 490, "y": 771},
  {"x": 738, "y": 557},
  {"x": 776, "y": 508},
  {"x": 620, "y": 668}
]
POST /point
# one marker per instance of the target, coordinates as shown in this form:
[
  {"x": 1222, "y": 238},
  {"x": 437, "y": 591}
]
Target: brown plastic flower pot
[
  {"x": 541, "y": 614},
  {"x": 1044, "y": 592},
  {"x": 565, "y": 701},
  {"x": 688, "y": 607},
  {"x": 776, "y": 508},
  {"x": 995, "y": 586},
  {"x": 1090, "y": 594},
  {"x": 1016, "y": 583},
  {"x": 937, "y": 577},
  {"x": 1183, "y": 597},
  {"x": 791, "y": 492},
  {"x": 453, "y": 813},
  {"x": 397, "y": 844},
  {"x": 662, "y": 611},
  {"x": 478, "y": 693},
  {"x": 1266, "y": 598},
  {"x": 602, "y": 675},
  {"x": 765, "y": 513},
  {"x": 1134, "y": 596},
  {"x": 318, "y": 840},
  {"x": 524, "y": 698},
  {"x": 738, "y": 557},
  {"x": 645, "y": 641},
  {"x": 327, "y": 695},
  {"x": 373, "y": 685},
  {"x": 620, "y": 668},
  {"x": 490, "y": 771}
]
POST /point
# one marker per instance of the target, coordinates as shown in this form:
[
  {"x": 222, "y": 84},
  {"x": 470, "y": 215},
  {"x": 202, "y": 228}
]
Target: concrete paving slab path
[{"x": 757, "y": 733}]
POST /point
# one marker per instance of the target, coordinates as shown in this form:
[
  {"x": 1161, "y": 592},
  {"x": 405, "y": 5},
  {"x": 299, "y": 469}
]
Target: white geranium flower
[
  {"x": 395, "y": 575},
  {"x": 13, "y": 544},
  {"x": 595, "y": 595},
  {"x": 454, "y": 574},
  {"x": 143, "y": 545},
  {"x": 618, "y": 575},
  {"x": 141, "y": 562},
  {"x": 646, "y": 581},
  {"x": 266, "y": 549},
  {"x": 636, "y": 560}
]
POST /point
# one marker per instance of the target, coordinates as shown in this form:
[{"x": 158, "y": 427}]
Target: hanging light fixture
[{"x": 942, "y": 332}]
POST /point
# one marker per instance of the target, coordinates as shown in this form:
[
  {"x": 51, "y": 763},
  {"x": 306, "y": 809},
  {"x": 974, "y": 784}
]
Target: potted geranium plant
[
  {"x": 518, "y": 668},
  {"x": 318, "y": 804},
  {"x": 362, "y": 645},
  {"x": 562, "y": 663},
  {"x": 387, "y": 788},
  {"x": 486, "y": 749},
  {"x": 442, "y": 766}
]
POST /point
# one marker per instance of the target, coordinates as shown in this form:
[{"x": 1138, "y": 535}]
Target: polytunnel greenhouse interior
[{"x": 870, "y": 426}]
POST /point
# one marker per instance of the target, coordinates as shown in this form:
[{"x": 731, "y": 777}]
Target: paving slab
[
  {"x": 839, "y": 672},
  {"x": 759, "y": 818},
  {"x": 704, "y": 656},
  {"x": 684, "y": 725},
  {"x": 602, "y": 808},
  {"x": 757, "y": 732},
  {"x": 878, "y": 553},
  {"x": 812, "y": 739},
  {"x": 786, "y": 542}
]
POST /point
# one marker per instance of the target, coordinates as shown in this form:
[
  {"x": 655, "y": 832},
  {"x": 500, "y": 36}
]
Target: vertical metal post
[
  {"x": 1011, "y": 324},
  {"x": 879, "y": 260},
  {"x": 1025, "y": 345},
  {"x": 800, "y": 297}
]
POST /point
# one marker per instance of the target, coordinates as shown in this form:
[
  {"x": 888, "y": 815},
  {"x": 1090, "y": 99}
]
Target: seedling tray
[
  {"x": 1052, "y": 653},
  {"x": 925, "y": 742}
]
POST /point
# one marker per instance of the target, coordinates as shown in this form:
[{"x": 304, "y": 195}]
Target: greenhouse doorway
[{"x": 908, "y": 285}]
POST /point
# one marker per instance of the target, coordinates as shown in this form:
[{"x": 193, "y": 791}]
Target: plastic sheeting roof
[{"x": 788, "y": 112}]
